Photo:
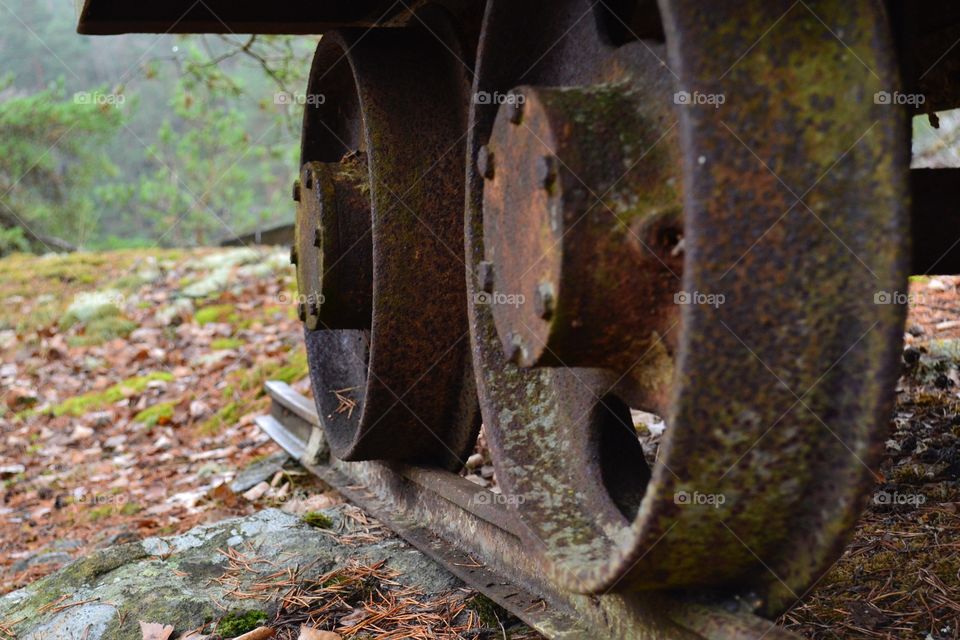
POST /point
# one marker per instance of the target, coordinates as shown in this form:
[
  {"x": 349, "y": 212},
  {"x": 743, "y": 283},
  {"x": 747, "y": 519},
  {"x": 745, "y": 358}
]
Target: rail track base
[{"x": 466, "y": 529}]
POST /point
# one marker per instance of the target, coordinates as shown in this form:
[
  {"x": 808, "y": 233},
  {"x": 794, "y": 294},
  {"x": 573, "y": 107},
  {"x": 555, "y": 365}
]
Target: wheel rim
[
  {"x": 547, "y": 425},
  {"x": 387, "y": 346}
]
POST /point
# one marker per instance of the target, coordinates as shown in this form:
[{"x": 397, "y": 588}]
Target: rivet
[
  {"x": 485, "y": 276},
  {"x": 516, "y": 109},
  {"x": 543, "y": 300},
  {"x": 485, "y": 162},
  {"x": 514, "y": 348},
  {"x": 547, "y": 171}
]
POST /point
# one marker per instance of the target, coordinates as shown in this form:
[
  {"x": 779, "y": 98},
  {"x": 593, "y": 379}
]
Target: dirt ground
[{"x": 129, "y": 403}]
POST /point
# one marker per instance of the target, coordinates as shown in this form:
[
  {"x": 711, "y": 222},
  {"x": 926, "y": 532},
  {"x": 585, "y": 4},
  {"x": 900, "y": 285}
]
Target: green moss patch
[
  {"x": 235, "y": 624},
  {"x": 226, "y": 343},
  {"x": 215, "y": 313},
  {"x": 88, "y": 402},
  {"x": 157, "y": 414},
  {"x": 318, "y": 520},
  {"x": 102, "y": 329}
]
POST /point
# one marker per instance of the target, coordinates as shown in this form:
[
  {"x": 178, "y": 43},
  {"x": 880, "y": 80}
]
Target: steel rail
[{"x": 466, "y": 529}]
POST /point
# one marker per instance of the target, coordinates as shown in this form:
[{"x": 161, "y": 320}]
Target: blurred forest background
[
  {"x": 141, "y": 140},
  {"x": 167, "y": 141}
]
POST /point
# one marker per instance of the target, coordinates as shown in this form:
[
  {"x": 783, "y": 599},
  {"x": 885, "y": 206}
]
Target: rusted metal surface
[
  {"x": 781, "y": 374},
  {"x": 593, "y": 282},
  {"x": 99, "y": 17},
  {"x": 333, "y": 244},
  {"x": 397, "y": 386},
  {"x": 468, "y": 530}
]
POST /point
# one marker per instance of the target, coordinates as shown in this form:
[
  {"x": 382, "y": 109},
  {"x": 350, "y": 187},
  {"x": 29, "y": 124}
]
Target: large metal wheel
[
  {"x": 688, "y": 208},
  {"x": 379, "y": 248}
]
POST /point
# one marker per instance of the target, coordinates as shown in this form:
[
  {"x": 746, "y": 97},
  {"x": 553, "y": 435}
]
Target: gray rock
[
  {"x": 171, "y": 580},
  {"x": 260, "y": 471},
  {"x": 44, "y": 557}
]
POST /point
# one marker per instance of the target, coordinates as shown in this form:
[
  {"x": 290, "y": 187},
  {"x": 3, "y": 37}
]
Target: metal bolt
[
  {"x": 516, "y": 110},
  {"x": 317, "y": 238},
  {"x": 294, "y": 258},
  {"x": 544, "y": 300},
  {"x": 514, "y": 348},
  {"x": 296, "y": 191},
  {"x": 302, "y": 311},
  {"x": 485, "y": 162},
  {"x": 485, "y": 276},
  {"x": 547, "y": 171}
]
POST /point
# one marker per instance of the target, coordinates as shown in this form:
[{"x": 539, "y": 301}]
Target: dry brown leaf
[
  {"x": 155, "y": 630},
  {"x": 260, "y": 633},
  {"x": 309, "y": 633}
]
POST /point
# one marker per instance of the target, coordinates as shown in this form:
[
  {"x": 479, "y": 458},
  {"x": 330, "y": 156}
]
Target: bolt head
[
  {"x": 544, "y": 300},
  {"x": 296, "y": 191},
  {"x": 514, "y": 351},
  {"x": 547, "y": 170},
  {"x": 516, "y": 112},
  {"x": 485, "y": 162},
  {"x": 485, "y": 276}
]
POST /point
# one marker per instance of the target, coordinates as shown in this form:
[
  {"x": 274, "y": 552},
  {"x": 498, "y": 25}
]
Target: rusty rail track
[{"x": 466, "y": 529}]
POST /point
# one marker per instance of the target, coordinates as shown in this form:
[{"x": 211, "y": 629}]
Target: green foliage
[
  {"x": 199, "y": 149},
  {"x": 48, "y": 161},
  {"x": 13, "y": 240}
]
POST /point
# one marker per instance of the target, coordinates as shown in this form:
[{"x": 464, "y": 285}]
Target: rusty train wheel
[
  {"x": 379, "y": 248},
  {"x": 635, "y": 242}
]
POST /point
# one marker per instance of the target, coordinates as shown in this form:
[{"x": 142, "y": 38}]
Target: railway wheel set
[{"x": 542, "y": 216}]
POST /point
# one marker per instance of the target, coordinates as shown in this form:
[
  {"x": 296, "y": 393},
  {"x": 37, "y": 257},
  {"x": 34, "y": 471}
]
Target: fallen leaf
[
  {"x": 260, "y": 633},
  {"x": 155, "y": 630},
  {"x": 310, "y": 633}
]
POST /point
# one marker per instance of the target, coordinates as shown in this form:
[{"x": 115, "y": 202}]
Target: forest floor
[{"x": 129, "y": 383}]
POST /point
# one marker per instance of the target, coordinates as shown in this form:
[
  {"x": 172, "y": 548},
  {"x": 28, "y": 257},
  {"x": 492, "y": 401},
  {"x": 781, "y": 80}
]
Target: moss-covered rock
[{"x": 174, "y": 580}]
